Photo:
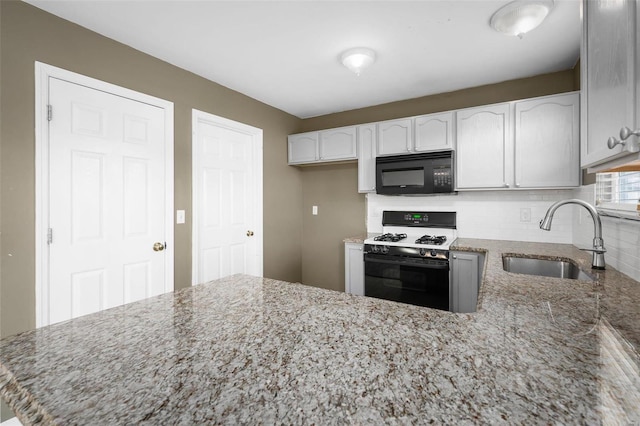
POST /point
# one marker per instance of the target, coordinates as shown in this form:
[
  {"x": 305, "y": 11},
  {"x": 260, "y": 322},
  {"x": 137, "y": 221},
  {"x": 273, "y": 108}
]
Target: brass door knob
[
  {"x": 158, "y": 247},
  {"x": 249, "y": 233}
]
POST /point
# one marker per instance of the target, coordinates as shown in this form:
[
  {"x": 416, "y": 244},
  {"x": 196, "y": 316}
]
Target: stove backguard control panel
[{"x": 419, "y": 219}]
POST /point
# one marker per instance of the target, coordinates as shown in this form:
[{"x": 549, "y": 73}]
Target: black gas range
[{"x": 409, "y": 261}]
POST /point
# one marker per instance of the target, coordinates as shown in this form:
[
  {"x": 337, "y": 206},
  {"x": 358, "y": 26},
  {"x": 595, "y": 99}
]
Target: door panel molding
[{"x": 43, "y": 74}]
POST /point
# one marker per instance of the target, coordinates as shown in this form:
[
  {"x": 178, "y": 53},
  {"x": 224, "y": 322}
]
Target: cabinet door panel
[
  {"x": 465, "y": 282},
  {"x": 338, "y": 144},
  {"x": 433, "y": 132},
  {"x": 547, "y": 142},
  {"x": 354, "y": 269},
  {"x": 367, "y": 158},
  {"x": 394, "y": 137},
  {"x": 609, "y": 76},
  {"x": 483, "y": 145},
  {"x": 303, "y": 148}
]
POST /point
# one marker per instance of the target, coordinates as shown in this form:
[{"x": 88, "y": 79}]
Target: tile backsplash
[
  {"x": 621, "y": 237},
  {"x": 502, "y": 215},
  {"x": 498, "y": 215}
]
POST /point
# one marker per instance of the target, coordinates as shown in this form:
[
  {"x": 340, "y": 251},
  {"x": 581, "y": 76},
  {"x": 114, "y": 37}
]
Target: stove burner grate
[
  {"x": 390, "y": 237},
  {"x": 432, "y": 239}
]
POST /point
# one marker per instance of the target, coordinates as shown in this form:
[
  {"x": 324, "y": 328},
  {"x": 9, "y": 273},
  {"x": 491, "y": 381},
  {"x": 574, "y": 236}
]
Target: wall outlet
[
  {"x": 314, "y": 210},
  {"x": 525, "y": 215}
]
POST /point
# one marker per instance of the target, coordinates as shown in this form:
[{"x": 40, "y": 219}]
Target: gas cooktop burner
[
  {"x": 390, "y": 237},
  {"x": 432, "y": 239}
]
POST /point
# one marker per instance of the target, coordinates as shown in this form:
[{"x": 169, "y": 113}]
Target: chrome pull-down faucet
[{"x": 597, "y": 261}]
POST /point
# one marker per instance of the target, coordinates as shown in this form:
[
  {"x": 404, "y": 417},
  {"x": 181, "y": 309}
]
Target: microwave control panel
[{"x": 442, "y": 178}]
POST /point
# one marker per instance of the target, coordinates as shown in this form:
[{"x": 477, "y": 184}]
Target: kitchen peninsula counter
[{"x": 247, "y": 350}]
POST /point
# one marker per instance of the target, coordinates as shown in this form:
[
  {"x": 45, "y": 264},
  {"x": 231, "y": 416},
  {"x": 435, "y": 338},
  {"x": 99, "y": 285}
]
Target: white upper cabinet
[
  {"x": 303, "y": 148},
  {"x": 547, "y": 148},
  {"x": 483, "y": 145},
  {"x": 433, "y": 132},
  {"x": 610, "y": 81},
  {"x": 367, "y": 158},
  {"x": 338, "y": 144},
  {"x": 430, "y": 132},
  {"x": 328, "y": 145},
  {"x": 528, "y": 144},
  {"x": 394, "y": 137}
]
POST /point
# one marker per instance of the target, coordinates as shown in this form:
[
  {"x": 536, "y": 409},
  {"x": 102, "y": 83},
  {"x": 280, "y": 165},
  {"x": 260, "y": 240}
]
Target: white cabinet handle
[
  {"x": 625, "y": 132},
  {"x": 612, "y": 142}
]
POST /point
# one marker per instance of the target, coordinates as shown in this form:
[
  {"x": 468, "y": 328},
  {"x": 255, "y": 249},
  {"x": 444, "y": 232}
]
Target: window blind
[{"x": 618, "y": 193}]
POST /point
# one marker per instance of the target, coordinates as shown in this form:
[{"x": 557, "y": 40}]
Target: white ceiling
[{"x": 285, "y": 53}]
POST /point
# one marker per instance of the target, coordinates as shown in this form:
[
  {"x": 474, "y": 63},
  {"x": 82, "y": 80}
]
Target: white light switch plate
[
  {"x": 180, "y": 216},
  {"x": 314, "y": 210}
]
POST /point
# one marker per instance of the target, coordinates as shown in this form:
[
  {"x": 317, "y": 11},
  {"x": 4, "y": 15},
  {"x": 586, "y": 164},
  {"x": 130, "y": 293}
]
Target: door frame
[
  {"x": 43, "y": 72},
  {"x": 257, "y": 144}
]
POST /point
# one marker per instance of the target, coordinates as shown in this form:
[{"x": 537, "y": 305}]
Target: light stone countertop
[
  {"x": 359, "y": 239},
  {"x": 247, "y": 350}
]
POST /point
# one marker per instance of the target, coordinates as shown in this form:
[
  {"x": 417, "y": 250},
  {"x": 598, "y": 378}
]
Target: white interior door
[
  {"x": 108, "y": 226},
  {"x": 227, "y": 198}
]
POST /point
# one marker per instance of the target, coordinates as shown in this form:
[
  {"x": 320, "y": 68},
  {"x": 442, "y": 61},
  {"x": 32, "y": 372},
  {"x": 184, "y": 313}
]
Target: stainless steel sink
[{"x": 544, "y": 267}]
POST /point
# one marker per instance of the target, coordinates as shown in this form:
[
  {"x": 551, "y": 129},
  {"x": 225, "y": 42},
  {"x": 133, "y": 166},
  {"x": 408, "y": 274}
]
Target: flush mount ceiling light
[
  {"x": 358, "y": 58},
  {"x": 521, "y": 16}
]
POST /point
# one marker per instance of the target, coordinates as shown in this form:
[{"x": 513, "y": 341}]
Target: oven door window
[{"x": 413, "y": 283}]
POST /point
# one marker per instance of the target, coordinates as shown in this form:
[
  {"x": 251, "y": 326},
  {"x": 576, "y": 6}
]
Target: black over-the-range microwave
[{"x": 415, "y": 174}]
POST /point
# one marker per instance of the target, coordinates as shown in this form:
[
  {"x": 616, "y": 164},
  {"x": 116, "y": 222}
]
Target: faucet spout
[{"x": 598, "y": 249}]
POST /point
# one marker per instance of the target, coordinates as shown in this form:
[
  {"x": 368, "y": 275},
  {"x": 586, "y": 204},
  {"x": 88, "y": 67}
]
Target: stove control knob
[
  {"x": 374, "y": 249},
  {"x": 433, "y": 253},
  {"x": 384, "y": 249},
  {"x": 423, "y": 252}
]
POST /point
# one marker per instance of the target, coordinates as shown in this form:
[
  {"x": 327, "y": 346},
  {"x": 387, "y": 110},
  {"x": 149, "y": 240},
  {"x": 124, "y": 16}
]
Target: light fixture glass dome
[
  {"x": 521, "y": 16},
  {"x": 358, "y": 58}
]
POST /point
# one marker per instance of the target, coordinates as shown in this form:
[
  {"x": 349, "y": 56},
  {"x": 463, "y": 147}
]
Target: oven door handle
[{"x": 438, "y": 265}]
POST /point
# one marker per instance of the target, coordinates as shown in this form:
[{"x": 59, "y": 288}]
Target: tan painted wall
[
  {"x": 28, "y": 35},
  {"x": 341, "y": 213},
  {"x": 547, "y": 84},
  {"x": 322, "y": 248}
]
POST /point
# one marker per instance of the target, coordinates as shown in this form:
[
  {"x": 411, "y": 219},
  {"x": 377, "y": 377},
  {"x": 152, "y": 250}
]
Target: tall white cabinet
[
  {"x": 367, "y": 158},
  {"x": 610, "y": 73}
]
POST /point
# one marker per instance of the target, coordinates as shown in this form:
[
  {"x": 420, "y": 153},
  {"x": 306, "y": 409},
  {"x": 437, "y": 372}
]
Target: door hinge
[
  {"x": 49, "y": 112},
  {"x": 49, "y": 236}
]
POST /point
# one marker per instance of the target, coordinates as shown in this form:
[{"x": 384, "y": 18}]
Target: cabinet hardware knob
[
  {"x": 158, "y": 247},
  {"x": 506, "y": 185},
  {"x": 517, "y": 185},
  {"x": 249, "y": 233},
  {"x": 612, "y": 142},
  {"x": 625, "y": 132}
]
